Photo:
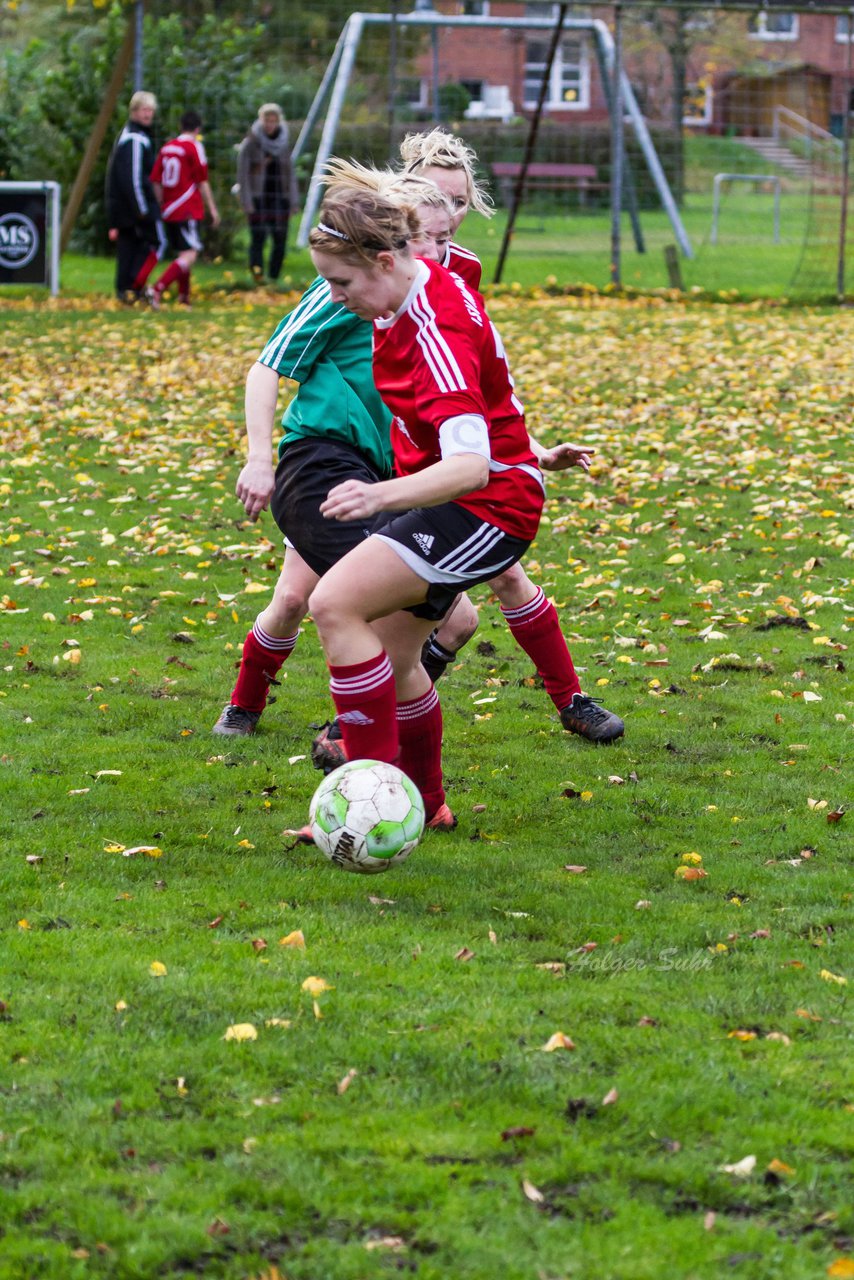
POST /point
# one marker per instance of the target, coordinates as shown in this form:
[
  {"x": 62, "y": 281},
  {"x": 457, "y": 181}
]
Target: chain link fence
[{"x": 747, "y": 112}]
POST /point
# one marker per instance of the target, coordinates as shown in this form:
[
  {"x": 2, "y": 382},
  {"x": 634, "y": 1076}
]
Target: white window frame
[
  {"x": 762, "y": 32},
  {"x": 842, "y": 29},
  {"x": 555, "y": 100},
  {"x": 422, "y": 102},
  {"x": 699, "y": 121}
]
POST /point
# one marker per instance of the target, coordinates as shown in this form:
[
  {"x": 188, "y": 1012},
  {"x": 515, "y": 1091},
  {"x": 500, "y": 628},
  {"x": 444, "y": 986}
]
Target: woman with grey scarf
[{"x": 267, "y": 188}]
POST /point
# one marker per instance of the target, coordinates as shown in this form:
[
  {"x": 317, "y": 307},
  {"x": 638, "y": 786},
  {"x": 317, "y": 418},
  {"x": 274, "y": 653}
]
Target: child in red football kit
[
  {"x": 467, "y": 495},
  {"x": 532, "y": 619},
  {"x": 180, "y": 178}
]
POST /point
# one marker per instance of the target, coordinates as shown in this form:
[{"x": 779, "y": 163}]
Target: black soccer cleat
[
  {"x": 236, "y": 722},
  {"x": 587, "y": 717},
  {"x": 327, "y": 749}
]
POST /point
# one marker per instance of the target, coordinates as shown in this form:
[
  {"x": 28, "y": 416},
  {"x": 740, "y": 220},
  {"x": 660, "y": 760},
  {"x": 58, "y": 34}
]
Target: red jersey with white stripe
[
  {"x": 440, "y": 358},
  {"x": 465, "y": 263},
  {"x": 179, "y": 168}
]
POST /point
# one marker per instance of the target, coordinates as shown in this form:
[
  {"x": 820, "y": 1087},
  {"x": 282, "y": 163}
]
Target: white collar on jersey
[{"x": 422, "y": 275}]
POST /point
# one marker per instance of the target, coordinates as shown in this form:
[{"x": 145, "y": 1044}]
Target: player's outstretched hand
[
  {"x": 564, "y": 456},
  {"x": 352, "y": 500},
  {"x": 255, "y": 486}
]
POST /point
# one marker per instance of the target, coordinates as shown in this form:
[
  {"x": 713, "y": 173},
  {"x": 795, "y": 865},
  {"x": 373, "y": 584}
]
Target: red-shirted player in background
[
  {"x": 532, "y": 618},
  {"x": 465, "y": 502},
  {"x": 180, "y": 178}
]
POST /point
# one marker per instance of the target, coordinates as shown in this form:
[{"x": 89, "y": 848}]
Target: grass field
[{"x": 407, "y": 1114}]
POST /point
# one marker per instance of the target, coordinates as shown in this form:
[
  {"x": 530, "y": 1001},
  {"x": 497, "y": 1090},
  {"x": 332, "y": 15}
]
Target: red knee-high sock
[
  {"x": 263, "y": 655},
  {"x": 145, "y": 270},
  {"x": 419, "y": 724},
  {"x": 173, "y": 272},
  {"x": 536, "y": 629},
  {"x": 365, "y": 702},
  {"x": 184, "y": 287}
]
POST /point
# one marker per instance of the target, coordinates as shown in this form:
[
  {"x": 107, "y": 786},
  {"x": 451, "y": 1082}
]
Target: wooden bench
[{"x": 547, "y": 175}]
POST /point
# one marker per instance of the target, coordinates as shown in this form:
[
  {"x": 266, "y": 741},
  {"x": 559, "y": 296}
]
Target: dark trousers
[
  {"x": 276, "y": 226},
  {"x": 132, "y": 248}
]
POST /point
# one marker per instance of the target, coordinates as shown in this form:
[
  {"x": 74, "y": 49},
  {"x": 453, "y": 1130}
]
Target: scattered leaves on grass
[
  {"x": 241, "y": 1031},
  {"x": 573, "y": 869},
  {"x": 346, "y": 1080},
  {"x": 690, "y": 873},
  {"x": 294, "y": 939},
  {"x": 837, "y": 978},
  {"x": 157, "y": 969},
  {"x": 610, "y": 1098},
  {"x": 394, "y": 1244},
  {"x": 278, "y": 1022},
  {"x": 517, "y": 1131},
  {"x": 836, "y": 815},
  {"x": 841, "y": 1269},
  {"x": 316, "y": 986},
  {"x": 464, "y": 954},
  {"x": 742, "y": 1168},
  {"x": 532, "y": 1193},
  {"x": 557, "y": 1041}
]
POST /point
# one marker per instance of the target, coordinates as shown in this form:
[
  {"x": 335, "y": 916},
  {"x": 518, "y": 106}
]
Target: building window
[
  {"x": 697, "y": 108},
  {"x": 412, "y": 93},
  {"x": 773, "y": 26},
  {"x": 569, "y": 83},
  {"x": 844, "y": 29},
  {"x": 474, "y": 8}
]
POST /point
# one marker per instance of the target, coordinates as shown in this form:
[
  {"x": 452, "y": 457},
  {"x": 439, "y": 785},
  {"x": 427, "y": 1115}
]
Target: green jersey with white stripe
[{"x": 327, "y": 350}]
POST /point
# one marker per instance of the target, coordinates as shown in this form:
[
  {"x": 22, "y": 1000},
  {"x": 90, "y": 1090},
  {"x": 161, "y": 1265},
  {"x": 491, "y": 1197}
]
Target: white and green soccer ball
[{"x": 366, "y": 816}]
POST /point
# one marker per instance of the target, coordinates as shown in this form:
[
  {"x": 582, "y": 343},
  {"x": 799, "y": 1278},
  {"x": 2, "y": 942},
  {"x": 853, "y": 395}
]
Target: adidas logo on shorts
[{"x": 425, "y": 541}]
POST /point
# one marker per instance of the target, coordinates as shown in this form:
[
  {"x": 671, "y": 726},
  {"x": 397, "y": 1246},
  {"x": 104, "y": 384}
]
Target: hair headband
[{"x": 330, "y": 231}]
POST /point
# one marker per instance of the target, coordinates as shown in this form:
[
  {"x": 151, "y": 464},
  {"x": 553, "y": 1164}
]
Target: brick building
[{"x": 777, "y": 58}]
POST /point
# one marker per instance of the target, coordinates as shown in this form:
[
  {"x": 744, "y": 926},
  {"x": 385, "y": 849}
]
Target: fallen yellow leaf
[
  {"x": 833, "y": 977},
  {"x": 157, "y": 969},
  {"x": 241, "y": 1031},
  {"x": 316, "y": 986},
  {"x": 294, "y": 939},
  {"x": 557, "y": 1041}
]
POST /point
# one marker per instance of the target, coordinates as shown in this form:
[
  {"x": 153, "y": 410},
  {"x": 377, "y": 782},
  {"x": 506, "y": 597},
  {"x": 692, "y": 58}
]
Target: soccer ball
[{"x": 366, "y": 816}]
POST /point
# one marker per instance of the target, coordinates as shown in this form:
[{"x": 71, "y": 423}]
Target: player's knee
[
  {"x": 513, "y": 587},
  {"x": 288, "y": 608},
  {"x": 322, "y": 607}
]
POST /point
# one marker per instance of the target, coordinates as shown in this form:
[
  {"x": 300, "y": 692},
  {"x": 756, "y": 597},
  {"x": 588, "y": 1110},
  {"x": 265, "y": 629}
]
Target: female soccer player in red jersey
[
  {"x": 532, "y": 619},
  {"x": 466, "y": 498}
]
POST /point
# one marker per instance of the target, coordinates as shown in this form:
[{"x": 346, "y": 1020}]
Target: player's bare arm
[
  {"x": 207, "y": 196},
  {"x": 442, "y": 482},
  {"x": 257, "y": 480}
]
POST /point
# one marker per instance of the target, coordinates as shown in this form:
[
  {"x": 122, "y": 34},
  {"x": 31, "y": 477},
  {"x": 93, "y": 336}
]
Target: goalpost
[{"x": 340, "y": 69}]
